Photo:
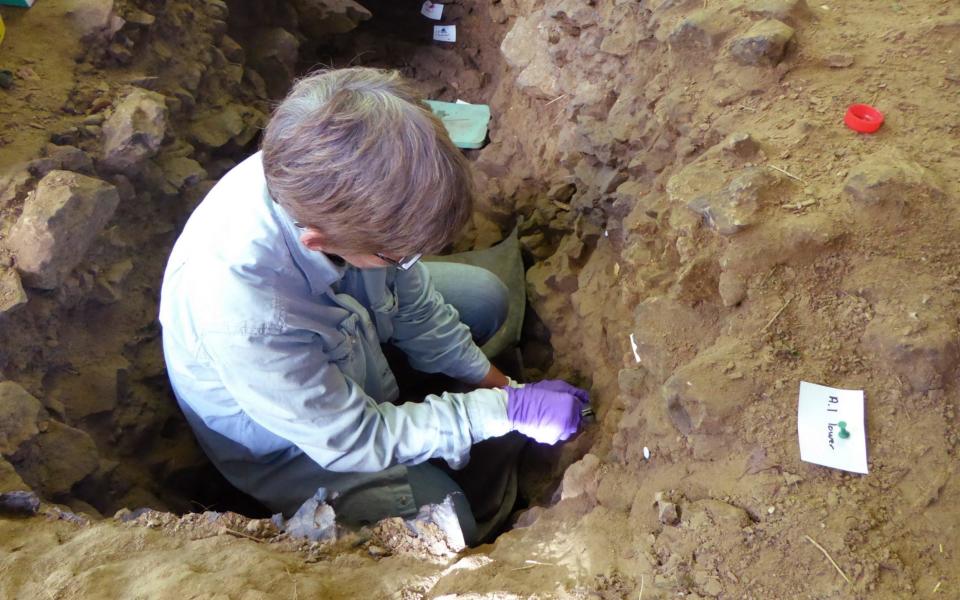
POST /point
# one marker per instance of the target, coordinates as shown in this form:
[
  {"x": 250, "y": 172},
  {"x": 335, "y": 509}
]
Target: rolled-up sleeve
[
  {"x": 287, "y": 385},
  {"x": 430, "y": 332}
]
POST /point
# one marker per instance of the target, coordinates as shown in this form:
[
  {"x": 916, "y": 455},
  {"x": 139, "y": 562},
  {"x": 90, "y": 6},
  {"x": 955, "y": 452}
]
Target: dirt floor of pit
[{"x": 682, "y": 179}]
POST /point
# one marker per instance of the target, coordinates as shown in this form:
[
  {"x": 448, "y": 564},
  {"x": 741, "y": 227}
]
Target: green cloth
[{"x": 466, "y": 123}]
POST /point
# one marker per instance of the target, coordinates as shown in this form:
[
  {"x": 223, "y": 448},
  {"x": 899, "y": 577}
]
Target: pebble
[{"x": 668, "y": 514}]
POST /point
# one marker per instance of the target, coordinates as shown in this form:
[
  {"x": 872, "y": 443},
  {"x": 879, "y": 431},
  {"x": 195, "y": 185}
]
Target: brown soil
[{"x": 718, "y": 211}]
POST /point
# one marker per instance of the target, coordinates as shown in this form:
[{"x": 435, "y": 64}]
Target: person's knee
[
  {"x": 496, "y": 297},
  {"x": 479, "y": 296}
]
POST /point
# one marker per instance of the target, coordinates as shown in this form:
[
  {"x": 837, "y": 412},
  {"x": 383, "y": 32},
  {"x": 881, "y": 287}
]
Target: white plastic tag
[
  {"x": 445, "y": 33},
  {"x": 431, "y": 10}
]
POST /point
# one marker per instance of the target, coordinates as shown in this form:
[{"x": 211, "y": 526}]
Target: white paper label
[
  {"x": 431, "y": 10},
  {"x": 819, "y": 417},
  {"x": 445, "y": 33}
]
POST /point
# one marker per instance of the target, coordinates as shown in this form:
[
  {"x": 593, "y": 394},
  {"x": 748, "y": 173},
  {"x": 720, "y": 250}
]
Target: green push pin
[{"x": 844, "y": 434}]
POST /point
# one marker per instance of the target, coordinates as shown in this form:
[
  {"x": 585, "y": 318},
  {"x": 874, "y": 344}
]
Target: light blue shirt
[{"x": 274, "y": 352}]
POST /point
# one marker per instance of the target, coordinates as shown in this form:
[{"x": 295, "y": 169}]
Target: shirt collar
[{"x": 320, "y": 271}]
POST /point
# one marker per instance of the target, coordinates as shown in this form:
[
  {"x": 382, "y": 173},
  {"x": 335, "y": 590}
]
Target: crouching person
[{"x": 289, "y": 276}]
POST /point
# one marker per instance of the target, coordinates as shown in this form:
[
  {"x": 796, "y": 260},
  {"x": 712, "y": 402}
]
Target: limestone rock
[
  {"x": 231, "y": 50},
  {"x": 839, "y": 60},
  {"x": 732, "y": 287},
  {"x": 14, "y": 183},
  {"x": 70, "y": 158},
  {"x": 525, "y": 50},
  {"x": 274, "y": 55},
  {"x": 764, "y": 44},
  {"x": 19, "y": 412},
  {"x": 134, "y": 132},
  {"x": 91, "y": 390},
  {"x": 697, "y": 281},
  {"x": 181, "y": 171},
  {"x": 582, "y": 477},
  {"x": 255, "y": 82},
  {"x": 727, "y": 203},
  {"x": 741, "y": 145},
  {"x": 558, "y": 273},
  {"x": 9, "y": 480},
  {"x": 234, "y": 122},
  {"x": 11, "y": 290},
  {"x": 140, "y": 18},
  {"x": 55, "y": 459},
  {"x": 701, "y": 30},
  {"x": 217, "y": 9},
  {"x": 154, "y": 179},
  {"x": 319, "y": 18},
  {"x": 890, "y": 178},
  {"x": 190, "y": 75},
  {"x": 58, "y": 224},
  {"x": 700, "y": 397},
  {"x": 667, "y": 513},
  {"x": 92, "y": 18}
]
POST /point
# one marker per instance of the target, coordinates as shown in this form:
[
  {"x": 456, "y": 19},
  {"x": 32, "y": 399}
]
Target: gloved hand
[
  {"x": 558, "y": 385},
  {"x": 544, "y": 414}
]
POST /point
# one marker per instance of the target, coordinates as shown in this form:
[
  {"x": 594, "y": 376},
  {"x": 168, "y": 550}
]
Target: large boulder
[
  {"x": 134, "y": 132},
  {"x": 55, "y": 459},
  {"x": 58, "y": 224},
  {"x": 19, "y": 412}
]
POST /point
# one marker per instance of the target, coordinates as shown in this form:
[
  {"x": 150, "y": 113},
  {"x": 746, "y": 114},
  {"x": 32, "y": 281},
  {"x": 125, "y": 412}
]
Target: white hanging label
[
  {"x": 445, "y": 33},
  {"x": 431, "y": 10}
]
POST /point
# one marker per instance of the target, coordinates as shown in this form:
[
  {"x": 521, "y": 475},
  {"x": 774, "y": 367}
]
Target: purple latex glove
[
  {"x": 545, "y": 415},
  {"x": 558, "y": 385}
]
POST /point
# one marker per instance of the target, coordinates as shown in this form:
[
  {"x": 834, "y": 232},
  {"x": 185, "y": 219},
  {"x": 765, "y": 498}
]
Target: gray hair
[{"x": 356, "y": 154}]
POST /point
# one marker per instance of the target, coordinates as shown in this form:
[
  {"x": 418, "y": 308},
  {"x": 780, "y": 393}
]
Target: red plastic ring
[{"x": 863, "y": 118}]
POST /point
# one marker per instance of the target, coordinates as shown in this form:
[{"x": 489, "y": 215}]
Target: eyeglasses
[{"x": 403, "y": 263}]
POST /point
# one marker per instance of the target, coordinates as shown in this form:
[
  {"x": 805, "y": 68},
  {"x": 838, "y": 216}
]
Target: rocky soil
[{"x": 682, "y": 180}]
